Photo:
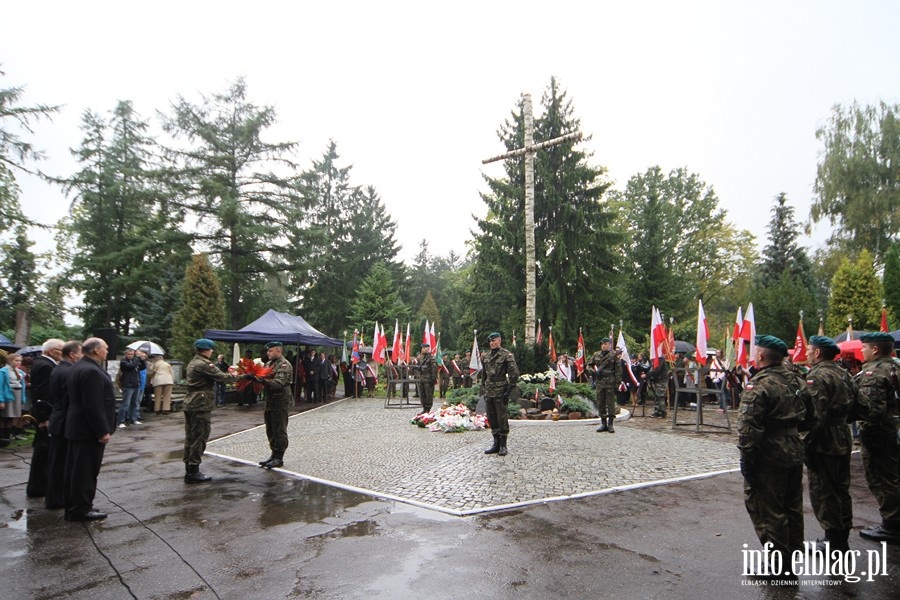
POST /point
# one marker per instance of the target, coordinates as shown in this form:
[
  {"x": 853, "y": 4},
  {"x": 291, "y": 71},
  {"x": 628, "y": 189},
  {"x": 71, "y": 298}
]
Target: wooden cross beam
[{"x": 528, "y": 151}]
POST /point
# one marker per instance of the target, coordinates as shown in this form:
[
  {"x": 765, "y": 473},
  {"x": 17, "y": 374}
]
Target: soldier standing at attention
[
  {"x": 828, "y": 442},
  {"x": 278, "y": 402},
  {"x": 772, "y": 407},
  {"x": 878, "y": 433},
  {"x": 658, "y": 378},
  {"x": 427, "y": 377},
  {"x": 200, "y": 377},
  {"x": 605, "y": 362},
  {"x": 499, "y": 376}
]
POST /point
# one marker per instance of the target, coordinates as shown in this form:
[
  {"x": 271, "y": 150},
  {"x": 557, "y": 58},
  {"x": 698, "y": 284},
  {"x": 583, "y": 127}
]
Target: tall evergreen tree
[
  {"x": 19, "y": 277},
  {"x": 891, "y": 284},
  {"x": 429, "y": 311},
  {"x": 574, "y": 238},
  {"x": 376, "y": 299},
  {"x": 226, "y": 178},
  {"x": 202, "y": 307},
  {"x": 337, "y": 233},
  {"x": 855, "y": 291}
]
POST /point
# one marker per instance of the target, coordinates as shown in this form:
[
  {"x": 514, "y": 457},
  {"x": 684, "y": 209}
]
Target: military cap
[
  {"x": 424, "y": 344},
  {"x": 825, "y": 343},
  {"x": 493, "y": 336},
  {"x": 606, "y": 341},
  {"x": 772, "y": 343},
  {"x": 273, "y": 345},
  {"x": 876, "y": 337},
  {"x": 204, "y": 344}
]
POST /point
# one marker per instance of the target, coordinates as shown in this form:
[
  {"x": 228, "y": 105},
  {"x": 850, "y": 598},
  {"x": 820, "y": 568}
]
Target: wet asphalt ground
[{"x": 253, "y": 533}]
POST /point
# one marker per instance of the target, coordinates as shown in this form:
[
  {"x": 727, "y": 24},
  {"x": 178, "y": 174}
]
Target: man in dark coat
[
  {"x": 59, "y": 390},
  {"x": 41, "y": 407},
  {"x": 90, "y": 423}
]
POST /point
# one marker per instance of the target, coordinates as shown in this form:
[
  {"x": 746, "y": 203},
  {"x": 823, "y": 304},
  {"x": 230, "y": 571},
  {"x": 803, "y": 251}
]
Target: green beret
[
  {"x": 825, "y": 343},
  {"x": 876, "y": 337},
  {"x": 274, "y": 345},
  {"x": 493, "y": 336},
  {"x": 204, "y": 344},
  {"x": 606, "y": 341},
  {"x": 426, "y": 344},
  {"x": 772, "y": 343}
]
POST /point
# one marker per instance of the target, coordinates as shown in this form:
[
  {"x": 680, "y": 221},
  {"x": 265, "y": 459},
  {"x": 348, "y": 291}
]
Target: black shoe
[
  {"x": 602, "y": 427},
  {"x": 91, "y": 515},
  {"x": 197, "y": 477},
  {"x": 502, "y": 451},
  {"x": 609, "y": 425},
  {"x": 880, "y": 534},
  {"x": 263, "y": 463},
  {"x": 274, "y": 463},
  {"x": 496, "y": 447}
]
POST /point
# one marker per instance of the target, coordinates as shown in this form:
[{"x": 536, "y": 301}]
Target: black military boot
[
  {"x": 609, "y": 424},
  {"x": 603, "y": 426},
  {"x": 502, "y": 451},
  {"x": 496, "y": 447},
  {"x": 263, "y": 463},
  {"x": 276, "y": 461},
  {"x": 193, "y": 475}
]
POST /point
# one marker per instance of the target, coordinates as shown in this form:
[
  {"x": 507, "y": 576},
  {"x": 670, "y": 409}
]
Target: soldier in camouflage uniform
[
  {"x": 200, "y": 377},
  {"x": 772, "y": 407},
  {"x": 878, "y": 433},
  {"x": 499, "y": 377},
  {"x": 278, "y": 402},
  {"x": 427, "y": 377},
  {"x": 828, "y": 443},
  {"x": 606, "y": 374},
  {"x": 658, "y": 379}
]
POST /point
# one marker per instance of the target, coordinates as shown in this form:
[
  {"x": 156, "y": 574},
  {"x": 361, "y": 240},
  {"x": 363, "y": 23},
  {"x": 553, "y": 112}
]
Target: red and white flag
[
  {"x": 748, "y": 334},
  {"x": 620, "y": 345},
  {"x": 552, "y": 347},
  {"x": 579, "y": 354},
  {"x": 538, "y": 335},
  {"x": 377, "y": 348},
  {"x": 739, "y": 351},
  {"x": 395, "y": 347},
  {"x": 702, "y": 333},
  {"x": 432, "y": 339},
  {"x": 799, "y": 354},
  {"x": 884, "y": 323},
  {"x": 407, "y": 351},
  {"x": 426, "y": 337},
  {"x": 657, "y": 337},
  {"x": 475, "y": 360}
]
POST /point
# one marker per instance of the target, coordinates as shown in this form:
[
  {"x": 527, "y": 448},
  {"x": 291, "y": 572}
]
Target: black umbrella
[
  {"x": 30, "y": 350},
  {"x": 686, "y": 347}
]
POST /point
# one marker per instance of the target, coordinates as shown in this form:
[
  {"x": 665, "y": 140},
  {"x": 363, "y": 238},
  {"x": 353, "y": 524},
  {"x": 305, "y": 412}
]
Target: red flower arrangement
[{"x": 257, "y": 370}]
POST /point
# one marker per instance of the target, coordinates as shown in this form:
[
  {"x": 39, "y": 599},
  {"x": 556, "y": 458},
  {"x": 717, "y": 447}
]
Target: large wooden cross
[{"x": 529, "y": 151}]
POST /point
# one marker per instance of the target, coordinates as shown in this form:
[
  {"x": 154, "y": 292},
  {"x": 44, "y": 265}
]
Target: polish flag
[
  {"x": 702, "y": 333},
  {"x": 739, "y": 352},
  {"x": 395, "y": 347},
  {"x": 579, "y": 354},
  {"x": 408, "y": 350},
  {"x": 657, "y": 337},
  {"x": 377, "y": 348},
  {"x": 552, "y": 347},
  {"x": 620, "y": 345},
  {"x": 426, "y": 338},
  {"x": 475, "y": 360},
  {"x": 748, "y": 334},
  {"x": 432, "y": 339}
]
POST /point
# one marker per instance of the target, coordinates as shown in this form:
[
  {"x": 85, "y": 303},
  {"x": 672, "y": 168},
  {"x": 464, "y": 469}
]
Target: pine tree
[
  {"x": 202, "y": 307},
  {"x": 377, "y": 299},
  {"x": 891, "y": 284},
  {"x": 18, "y": 274},
  {"x": 429, "y": 311},
  {"x": 855, "y": 292},
  {"x": 226, "y": 178}
]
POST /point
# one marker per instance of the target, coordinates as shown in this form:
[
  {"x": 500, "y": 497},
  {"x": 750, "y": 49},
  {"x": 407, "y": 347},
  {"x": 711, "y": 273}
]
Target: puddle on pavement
[
  {"x": 358, "y": 529},
  {"x": 299, "y": 501},
  {"x": 18, "y": 520}
]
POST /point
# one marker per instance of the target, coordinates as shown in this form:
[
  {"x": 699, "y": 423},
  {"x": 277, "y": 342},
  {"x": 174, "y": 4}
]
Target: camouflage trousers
[
  {"x": 829, "y": 490},
  {"x": 426, "y": 395},
  {"x": 880, "y": 456},
  {"x": 659, "y": 390},
  {"x": 276, "y": 429},
  {"x": 774, "y": 501},
  {"x": 606, "y": 399},
  {"x": 498, "y": 414},
  {"x": 196, "y": 433}
]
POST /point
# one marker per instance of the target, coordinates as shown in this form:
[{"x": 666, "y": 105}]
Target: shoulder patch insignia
[
  {"x": 810, "y": 382},
  {"x": 870, "y": 373}
]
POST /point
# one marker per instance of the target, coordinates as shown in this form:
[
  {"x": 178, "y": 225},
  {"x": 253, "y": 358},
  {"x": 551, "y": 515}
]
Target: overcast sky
[{"x": 414, "y": 92}]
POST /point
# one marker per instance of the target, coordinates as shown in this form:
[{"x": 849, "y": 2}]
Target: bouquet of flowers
[
  {"x": 254, "y": 368},
  {"x": 451, "y": 419}
]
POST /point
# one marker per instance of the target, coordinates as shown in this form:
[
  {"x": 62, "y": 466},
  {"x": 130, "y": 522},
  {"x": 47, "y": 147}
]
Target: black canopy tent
[{"x": 275, "y": 326}]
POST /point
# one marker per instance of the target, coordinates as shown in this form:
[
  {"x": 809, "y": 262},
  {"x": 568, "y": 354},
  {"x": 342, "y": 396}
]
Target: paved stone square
[{"x": 358, "y": 444}]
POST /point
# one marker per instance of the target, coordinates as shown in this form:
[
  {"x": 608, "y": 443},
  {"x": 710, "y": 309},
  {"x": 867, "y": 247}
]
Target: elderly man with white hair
[{"x": 41, "y": 407}]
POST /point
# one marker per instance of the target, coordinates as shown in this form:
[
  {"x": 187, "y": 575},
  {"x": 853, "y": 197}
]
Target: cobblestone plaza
[{"x": 358, "y": 444}]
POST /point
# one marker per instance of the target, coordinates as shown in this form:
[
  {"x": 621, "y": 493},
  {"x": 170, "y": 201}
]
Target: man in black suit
[
  {"x": 59, "y": 390},
  {"x": 41, "y": 406},
  {"x": 90, "y": 422}
]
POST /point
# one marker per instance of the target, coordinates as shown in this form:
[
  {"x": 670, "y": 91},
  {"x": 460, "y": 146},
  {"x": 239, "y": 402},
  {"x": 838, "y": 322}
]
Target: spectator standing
[
  {"x": 220, "y": 387},
  {"x": 41, "y": 407},
  {"x": 59, "y": 446},
  {"x": 129, "y": 367},
  {"x": 162, "y": 380}
]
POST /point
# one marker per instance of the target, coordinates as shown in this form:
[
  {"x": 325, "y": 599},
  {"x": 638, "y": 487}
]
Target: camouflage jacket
[
  {"x": 199, "y": 377},
  {"x": 831, "y": 391},
  {"x": 659, "y": 374},
  {"x": 876, "y": 396},
  {"x": 499, "y": 372},
  {"x": 278, "y": 384},
  {"x": 427, "y": 368},
  {"x": 772, "y": 406},
  {"x": 605, "y": 363}
]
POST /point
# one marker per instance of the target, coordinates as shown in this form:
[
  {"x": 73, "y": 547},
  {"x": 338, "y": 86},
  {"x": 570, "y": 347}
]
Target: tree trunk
[{"x": 530, "y": 270}]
